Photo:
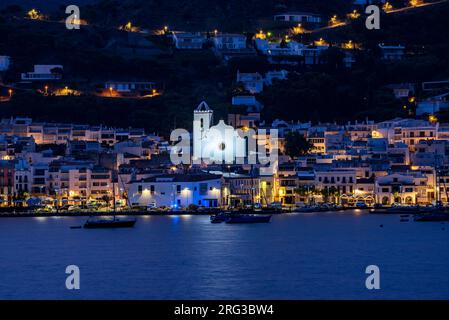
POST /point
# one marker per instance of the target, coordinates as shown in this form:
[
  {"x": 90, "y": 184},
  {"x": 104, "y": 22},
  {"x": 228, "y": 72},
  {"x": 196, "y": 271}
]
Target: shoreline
[{"x": 29, "y": 214}]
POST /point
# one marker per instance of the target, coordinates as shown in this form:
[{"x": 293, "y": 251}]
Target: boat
[
  {"x": 248, "y": 218},
  {"x": 398, "y": 210},
  {"x": 104, "y": 223},
  {"x": 115, "y": 222},
  {"x": 432, "y": 216},
  {"x": 218, "y": 218}
]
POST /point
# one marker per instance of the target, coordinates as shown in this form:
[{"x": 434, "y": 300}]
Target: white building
[
  {"x": 227, "y": 41},
  {"x": 177, "y": 191},
  {"x": 219, "y": 143},
  {"x": 22, "y": 177},
  {"x": 129, "y": 86},
  {"x": 4, "y": 63},
  {"x": 401, "y": 188},
  {"x": 301, "y": 17},
  {"x": 188, "y": 40},
  {"x": 433, "y": 104},
  {"x": 392, "y": 52},
  {"x": 253, "y": 82},
  {"x": 291, "y": 48},
  {"x": 272, "y": 75},
  {"x": 45, "y": 72}
]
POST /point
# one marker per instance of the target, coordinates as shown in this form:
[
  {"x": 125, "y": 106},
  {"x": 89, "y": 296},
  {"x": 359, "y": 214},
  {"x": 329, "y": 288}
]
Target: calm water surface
[{"x": 296, "y": 256}]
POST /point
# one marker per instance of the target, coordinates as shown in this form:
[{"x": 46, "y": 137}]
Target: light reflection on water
[{"x": 296, "y": 256}]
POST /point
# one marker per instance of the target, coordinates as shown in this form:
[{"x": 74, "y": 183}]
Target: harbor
[{"x": 295, "y": 256}]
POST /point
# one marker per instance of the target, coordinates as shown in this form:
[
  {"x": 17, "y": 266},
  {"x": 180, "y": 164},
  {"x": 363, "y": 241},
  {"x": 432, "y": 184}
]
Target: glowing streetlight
[
  {"x": 414, "y": 3},
  {"x": 46, "y": 89},
  {"x": 34, "y": 14},
  {"x": 433, "y": 118},
  {"x": 387, "y": 7},
  {"x": 320, "y": 42},
  {"x": 334, "y": 20},
  {"x": 10, "y": 92},
  {"x": 354, "y": 15}
]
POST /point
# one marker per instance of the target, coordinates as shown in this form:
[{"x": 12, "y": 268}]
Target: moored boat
[
  {"x": 248, "y": 218},
  {"x": 432, "y": 217},
  {"x": 218, "y": 218},
  {"x": 97, "y": 223}
]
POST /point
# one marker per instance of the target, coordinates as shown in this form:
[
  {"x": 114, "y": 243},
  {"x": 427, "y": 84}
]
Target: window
[
  {"x": 139, "y": 189},
  {"x": 203, "y": 189},
  {"x": 178, "y": 189},
  {"x": 152, "y": 189}
]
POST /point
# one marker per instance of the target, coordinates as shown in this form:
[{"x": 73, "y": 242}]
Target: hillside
[
  {"x": 327, "y": 92},
  {"x": 230, "y": 15}
]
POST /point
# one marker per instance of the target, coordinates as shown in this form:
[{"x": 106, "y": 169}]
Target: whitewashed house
[
  {"x": 228, "y": 41},
  {"x": 188, "y": 40},
  {"x": 291, "y": 48},
  {"x": 272, "y": 75},
  {"x": 253, "y": 82},
  {"x": 176, "y": 191},
  {"x": 129, "y": 86},
  {"x": 400, "y": 188},
  {"x": 300, "y": 17},
  {"x": 43, "y": 72},
  {"x": 392, "y": 52},
  {"x": 433, "y": 104}
]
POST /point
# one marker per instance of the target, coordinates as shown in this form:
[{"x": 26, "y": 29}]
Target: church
[{"x": 219, "y": 143}]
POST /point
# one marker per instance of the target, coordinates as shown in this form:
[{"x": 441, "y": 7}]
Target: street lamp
[{"x": 10, "y": 92}]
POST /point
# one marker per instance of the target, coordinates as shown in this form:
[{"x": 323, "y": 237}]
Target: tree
[{"x": 296, "y": 145}]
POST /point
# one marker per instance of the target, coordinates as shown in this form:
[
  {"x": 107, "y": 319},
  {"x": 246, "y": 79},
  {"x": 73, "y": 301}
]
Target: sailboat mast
[{"x": 113, "y": 192}]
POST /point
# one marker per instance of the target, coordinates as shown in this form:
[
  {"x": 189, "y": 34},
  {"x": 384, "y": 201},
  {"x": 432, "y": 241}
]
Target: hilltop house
[
  {"x": 129, "y": 88},
  {"x": 188, "y": 40},
  {"x": 272, "y": 75},
  {"x": 44, "y": 72},
  {"x": 299, "y": 17},
  {"x": 433, "y": 104},
  {"x": 402, "y": 90},
  {"x": 253, "y": 82},
  {"x": 228, "y": 41},
  {"x": 391, "y": 52}
]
